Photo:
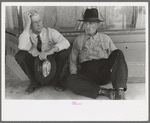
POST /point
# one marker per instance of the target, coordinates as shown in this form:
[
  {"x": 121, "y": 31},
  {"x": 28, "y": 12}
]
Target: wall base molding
[{"x": 136, "y": 80}]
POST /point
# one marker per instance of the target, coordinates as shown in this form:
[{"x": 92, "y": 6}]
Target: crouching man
[{"x": 37, "y": 41}]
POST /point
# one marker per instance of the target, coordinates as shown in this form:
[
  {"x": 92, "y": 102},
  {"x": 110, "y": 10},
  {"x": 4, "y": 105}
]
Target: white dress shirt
[{"x": 49, "y": 37}]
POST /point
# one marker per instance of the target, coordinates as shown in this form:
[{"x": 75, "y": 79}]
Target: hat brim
[
  {"x": 91, "y": 20},
  {"x": 38, "y": 72}
]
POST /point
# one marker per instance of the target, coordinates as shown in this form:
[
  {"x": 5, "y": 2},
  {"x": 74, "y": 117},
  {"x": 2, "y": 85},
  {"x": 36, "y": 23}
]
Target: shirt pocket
[
  {"x": 100, "y": 51},
  {"x": 83, "y": 52}
]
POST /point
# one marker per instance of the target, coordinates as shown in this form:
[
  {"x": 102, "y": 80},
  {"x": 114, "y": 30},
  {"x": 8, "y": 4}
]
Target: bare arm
[
  {"x": 24, "y": 38},
  {"x": 73, "y": 57}
]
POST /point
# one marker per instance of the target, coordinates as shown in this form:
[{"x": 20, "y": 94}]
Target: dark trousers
[
  {"x": 26, "y": 62},
  {"x": 99, "y": 72}
]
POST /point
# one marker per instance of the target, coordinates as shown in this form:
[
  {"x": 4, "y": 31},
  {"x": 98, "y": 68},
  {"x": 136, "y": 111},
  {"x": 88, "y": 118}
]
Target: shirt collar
[
  {"x": 41, "y": 34},
  {"x": 95, "y": 37}
]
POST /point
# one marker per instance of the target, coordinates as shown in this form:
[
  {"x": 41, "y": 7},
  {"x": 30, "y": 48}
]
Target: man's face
[
  {"x": 37, "y": 24},
  {"x": 90, "y": 27}
]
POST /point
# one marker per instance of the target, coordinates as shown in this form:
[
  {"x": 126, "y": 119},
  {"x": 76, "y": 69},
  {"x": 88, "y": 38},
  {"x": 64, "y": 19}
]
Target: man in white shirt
[{"x": 37, "y": 41}]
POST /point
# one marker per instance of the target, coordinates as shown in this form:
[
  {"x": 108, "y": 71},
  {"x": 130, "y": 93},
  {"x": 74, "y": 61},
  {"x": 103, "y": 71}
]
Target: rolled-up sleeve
[
  {"x": 74, "y": 57},
  {"x": 24, "y": 41},
  {"x": 61, "y": 42}
]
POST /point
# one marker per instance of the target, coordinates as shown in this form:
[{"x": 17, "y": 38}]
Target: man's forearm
[
  {"x": 24, "y": 41},
  {"x": 27, "y": 28},
  {"x": 52, "y": 51},
  {"x": 73, "y": 69}
]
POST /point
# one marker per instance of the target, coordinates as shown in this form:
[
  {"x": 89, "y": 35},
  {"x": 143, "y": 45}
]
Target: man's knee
[
  {"x": 62, "y": 55},
  {"x": 21, "y": 56},
  {"x": 118, "y": 52},
  {"x": 69, "y": 80},
  {"x": 64, "y": 52}
]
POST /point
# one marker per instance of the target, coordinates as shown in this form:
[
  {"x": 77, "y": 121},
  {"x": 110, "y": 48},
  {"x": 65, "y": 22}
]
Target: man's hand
[
  {"x": 27, "y": 19},
  {"x": 43, "y": 56}
]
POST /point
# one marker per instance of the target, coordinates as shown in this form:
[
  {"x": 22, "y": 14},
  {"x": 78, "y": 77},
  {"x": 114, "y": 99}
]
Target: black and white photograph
[{"x": 78, "y": 61}]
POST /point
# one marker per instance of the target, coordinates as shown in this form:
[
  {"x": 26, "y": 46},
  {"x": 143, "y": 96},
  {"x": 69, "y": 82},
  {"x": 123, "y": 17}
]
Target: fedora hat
[
  {"x": 45, "y": 69},
  {"x": 91, "y": 15}
]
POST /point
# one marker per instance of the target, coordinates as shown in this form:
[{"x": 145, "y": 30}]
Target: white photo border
[{"x": 62, "y": 110}]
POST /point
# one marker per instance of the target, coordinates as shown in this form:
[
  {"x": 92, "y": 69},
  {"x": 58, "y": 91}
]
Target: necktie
[{"x": 39, "y": 44}]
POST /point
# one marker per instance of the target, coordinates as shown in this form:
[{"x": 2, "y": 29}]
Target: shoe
[
  {"x": 30, "y": 89},
  {"x": 59, "y": 88},
  {"x": 107, "y": 92},
  {"x": 120, "y": 94}
]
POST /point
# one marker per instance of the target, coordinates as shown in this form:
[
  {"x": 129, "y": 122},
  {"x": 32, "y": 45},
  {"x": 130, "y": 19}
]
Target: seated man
[
  {"x": 94, "y": 61},
  {"x": 37, "y": 41}
]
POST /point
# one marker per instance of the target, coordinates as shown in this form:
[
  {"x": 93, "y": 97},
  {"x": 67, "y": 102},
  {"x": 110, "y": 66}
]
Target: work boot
[
  {"x": 31, "y": 89},
  {"x": 59, "y": 87},
  {"x": 107, "y": 92},
  {"x": 120, "y": 94}
]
